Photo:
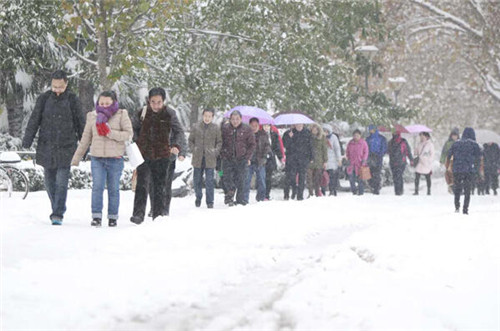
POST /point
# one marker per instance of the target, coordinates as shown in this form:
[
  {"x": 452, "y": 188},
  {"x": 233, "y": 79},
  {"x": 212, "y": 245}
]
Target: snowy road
[{"x": 350, "y": 263}]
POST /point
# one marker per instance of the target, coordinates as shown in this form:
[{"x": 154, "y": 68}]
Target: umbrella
[
  {"x": 396, "y": 127},
  {"x": 417, "y": 128},
  {"x": 487, "y": 136},
  {"x": 247, "y": 112},
  {"x": 292, "y": 118}
]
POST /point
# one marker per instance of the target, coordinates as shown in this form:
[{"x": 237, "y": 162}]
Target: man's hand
[
  {"x": 174, "y": 150},
  {"x": 290, "y": 134},
  {"x": 249, "y": 162}
]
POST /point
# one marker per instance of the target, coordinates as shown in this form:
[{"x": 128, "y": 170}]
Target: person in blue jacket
[
  {"x": 466, "y": 156},
  {"x": 377, "y": 147}
]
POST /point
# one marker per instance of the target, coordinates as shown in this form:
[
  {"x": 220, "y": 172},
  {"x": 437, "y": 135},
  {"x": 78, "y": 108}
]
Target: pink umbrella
[
  {"x": 417, "y": 128},
  {"x": 247, "y": 112}
]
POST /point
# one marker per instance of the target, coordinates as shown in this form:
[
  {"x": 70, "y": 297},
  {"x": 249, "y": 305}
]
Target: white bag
[{"x": 134, "y": 155}]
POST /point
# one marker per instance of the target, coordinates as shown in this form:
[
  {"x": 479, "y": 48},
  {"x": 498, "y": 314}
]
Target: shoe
[
  {"x": 112, "y": 222},
  {"x": 150, "y": 214},
  {"x": 56, "y": 222},
  {"x": 293, "y": 196},
  {"x": 286, "y": 198},
  {"x": 457, "y": 210},
  {"x": 416, "y": 193},
  {"x": 210, "y": 205},
  {"x": 466, "y": 212},
  {"x": 495, "y": 192},
  {"x": 428, "y": 192},
  {"x": 96, "y": 222},
  {"x": 230, "y": 203},
  {"x": 136, "y": 220},
  {"x": 197, "y": 203}
]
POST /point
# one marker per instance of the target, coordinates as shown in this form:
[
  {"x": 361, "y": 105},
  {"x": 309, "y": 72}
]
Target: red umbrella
[{"x": 396, "y": 127}]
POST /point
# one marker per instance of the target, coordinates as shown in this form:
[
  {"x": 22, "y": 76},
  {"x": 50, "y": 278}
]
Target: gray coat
[
  {"x": 59, "y": 121},
  {"x": 205, "y": 141}
]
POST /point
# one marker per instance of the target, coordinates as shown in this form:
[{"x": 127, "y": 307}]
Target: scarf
[{"x": 103, "y": 116}]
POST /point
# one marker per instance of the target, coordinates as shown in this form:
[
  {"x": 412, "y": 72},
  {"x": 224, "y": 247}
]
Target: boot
[
  {"x": 111, "y": 222},
  {"x": 428, "y": 191}
]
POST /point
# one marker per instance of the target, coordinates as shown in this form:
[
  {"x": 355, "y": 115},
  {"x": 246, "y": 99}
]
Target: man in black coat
[
  {"x": 299, "y": 153},
  {"x": 491, "y": 165},
  {"x": 59, "y": 121},
  {"x": 466, "y": 156}
]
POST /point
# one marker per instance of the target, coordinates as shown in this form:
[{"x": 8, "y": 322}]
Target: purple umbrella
[
  {"x": 417, "y": 128},
  {"x": 247, "y": 112},
  {"x": 292, "y": 118}
]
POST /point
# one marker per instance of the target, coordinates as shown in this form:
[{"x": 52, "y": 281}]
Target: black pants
[
  {"x": 168, "y": 187},
  {"x": 334, "y": 180},
  {"x": 292, "y": 171},
  {"x": 462, "y": 182},
  {"x": 491, "y": 181},
  {"x": 397, "y": 177},
  {"x": 154, "y": 172},
  {"x": 427, "y": 179},
  {"x": 375, "y": 181},
  {"x": 269, "y": 180},
  {"x": 235, "y": 175}
]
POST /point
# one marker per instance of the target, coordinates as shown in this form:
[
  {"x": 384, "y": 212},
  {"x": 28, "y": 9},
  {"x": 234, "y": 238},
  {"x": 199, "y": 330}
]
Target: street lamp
[
  {"x": 397, "y": 84},
  {"x": 369, "y": 52}
]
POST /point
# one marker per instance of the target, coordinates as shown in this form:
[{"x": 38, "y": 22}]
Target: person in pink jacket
[
  {"x": 357, "y": 155},
  {"x": 425, "y": 154}
]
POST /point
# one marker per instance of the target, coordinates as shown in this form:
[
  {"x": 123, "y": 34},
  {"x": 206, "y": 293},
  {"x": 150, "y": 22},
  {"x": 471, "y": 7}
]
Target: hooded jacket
[
  {"x": 377, "y": 146},
  {"x": 399, "y": 151},
  {"x": 333, "y": 147},
  {"x": 466, "y": 153}
]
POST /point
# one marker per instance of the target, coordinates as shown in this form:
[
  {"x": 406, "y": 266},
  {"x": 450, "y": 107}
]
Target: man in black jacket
[
  {"x": 59, "y": 120},
  {"x": 299, "y": 153}
]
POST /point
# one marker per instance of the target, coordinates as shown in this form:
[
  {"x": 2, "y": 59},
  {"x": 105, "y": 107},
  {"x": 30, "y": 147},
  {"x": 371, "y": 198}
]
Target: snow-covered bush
[{"x": 9, "y": 143}]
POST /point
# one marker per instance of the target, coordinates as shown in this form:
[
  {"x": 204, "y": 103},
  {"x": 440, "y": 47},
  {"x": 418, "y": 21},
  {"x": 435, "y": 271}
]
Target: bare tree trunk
[
  {"x": 14, "y": 102},
  {"x": 86, "y": 93},
  {"x": 195, "y": 111},
  {"x": 102, "y": 50}
]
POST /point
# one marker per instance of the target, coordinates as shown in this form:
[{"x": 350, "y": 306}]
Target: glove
[{"x": 103, "y": 129}]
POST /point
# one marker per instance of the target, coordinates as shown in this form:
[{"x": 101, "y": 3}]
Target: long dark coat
[{"x": 59, "y": 121}]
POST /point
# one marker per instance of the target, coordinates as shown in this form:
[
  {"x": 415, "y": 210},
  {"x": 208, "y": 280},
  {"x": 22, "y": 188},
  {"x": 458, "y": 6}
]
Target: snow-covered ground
[{"x": 331, "y": 263}]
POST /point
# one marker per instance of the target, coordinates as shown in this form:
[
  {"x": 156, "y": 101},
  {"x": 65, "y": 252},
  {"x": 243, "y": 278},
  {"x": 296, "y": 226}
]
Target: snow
[
  {"x": 24, "y": 79},
  {"x": 331, "y": 263}
]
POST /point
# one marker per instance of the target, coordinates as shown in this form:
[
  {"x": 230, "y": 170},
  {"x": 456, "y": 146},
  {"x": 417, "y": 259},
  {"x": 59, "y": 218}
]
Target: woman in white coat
[
  {"x": 425, "y": 154},
  {"x": 334, "y": 158}
]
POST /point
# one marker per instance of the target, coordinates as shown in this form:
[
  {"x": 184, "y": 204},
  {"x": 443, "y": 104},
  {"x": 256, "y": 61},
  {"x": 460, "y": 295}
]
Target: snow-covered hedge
[
  {"x": 9, "y": 143},
  {"x": 80, "y": 178}
]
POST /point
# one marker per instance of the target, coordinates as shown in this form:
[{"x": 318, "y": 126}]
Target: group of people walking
[{"x": 313, "y": 155}]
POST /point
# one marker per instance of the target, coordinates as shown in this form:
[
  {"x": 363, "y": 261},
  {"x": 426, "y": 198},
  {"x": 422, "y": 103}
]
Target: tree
[
  {"x": 28, "y": 55},
  {"x": 112, "y": 37}
]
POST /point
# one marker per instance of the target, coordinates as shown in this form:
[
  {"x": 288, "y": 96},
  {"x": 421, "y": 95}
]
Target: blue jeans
[
  {"x": 260, "y": 171},
  {"x": 56, "y": 184},
  {"x": 209, "y": 183},
  {"x": 108, "y": 171},
  {"x": 353, "y": 179}
]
